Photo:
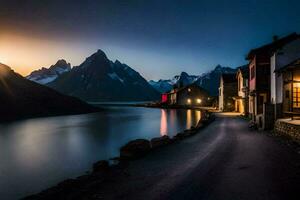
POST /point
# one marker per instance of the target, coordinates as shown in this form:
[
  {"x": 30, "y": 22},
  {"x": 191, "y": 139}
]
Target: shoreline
[{"x": 133, "y": 150}]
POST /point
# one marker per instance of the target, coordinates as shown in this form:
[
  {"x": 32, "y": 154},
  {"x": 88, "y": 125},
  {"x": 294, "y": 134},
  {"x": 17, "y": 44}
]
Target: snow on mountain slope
[{"x": 46, "y": 75}]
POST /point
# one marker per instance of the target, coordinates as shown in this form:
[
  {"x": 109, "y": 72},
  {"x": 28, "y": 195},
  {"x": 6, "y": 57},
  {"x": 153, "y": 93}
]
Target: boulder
[
  {"x": 182, "y": 135},
  {"x": 101, "y": 165},
  {"x": 135, "y": 149},
  {"x": 160, "y": 141}
]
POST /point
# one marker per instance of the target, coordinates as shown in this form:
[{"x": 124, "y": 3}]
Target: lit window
[
  {"x": 296, "y": 96},
  {"x": 199, "y": 101},
  {"x": 189, "y": 101}
]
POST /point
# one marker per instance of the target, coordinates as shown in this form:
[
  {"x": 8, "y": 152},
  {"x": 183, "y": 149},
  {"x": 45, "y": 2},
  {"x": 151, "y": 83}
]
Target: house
[
  {"x": 227, "y": 91},
  {"x": 280, "y": 58},
  {"x": 191, "y": 95},
  {"x": 290, "y": 88},
  {"x": 260, "y": 80},
  {"x": 241, "y": 100}
]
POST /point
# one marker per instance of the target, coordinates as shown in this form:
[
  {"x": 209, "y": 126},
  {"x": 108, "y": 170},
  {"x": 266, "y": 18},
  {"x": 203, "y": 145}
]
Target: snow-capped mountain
[
  {"x": 162, "y": 86},
  {"x": 47, "y": 75},
  {"x": 99, "y": 79},
  {"x": 179, "y": 80},
  {"x": 209, "y": 81}
]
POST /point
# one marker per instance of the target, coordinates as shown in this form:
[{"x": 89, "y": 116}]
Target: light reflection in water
[
  {"x": 198, "y": 116},
  {"x": 163, "y": 123},
  {"x": 188, "y": 118}
]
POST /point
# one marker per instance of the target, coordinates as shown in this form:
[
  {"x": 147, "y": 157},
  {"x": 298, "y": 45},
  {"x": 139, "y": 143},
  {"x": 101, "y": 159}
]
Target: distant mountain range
[
  {"x": 21, "y": 98},
  {"x": 209, "y": 81},
  {"x": 47, "y": 75},
  {"x": 99, "y": 79}
]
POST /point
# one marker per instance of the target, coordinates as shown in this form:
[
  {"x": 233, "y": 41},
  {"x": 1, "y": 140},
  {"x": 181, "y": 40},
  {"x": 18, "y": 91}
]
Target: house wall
[
  {"x": 229, "y": 91},
  {"x": 241, "y": 104},
  {"x": 287, "y": 91},
  {"x": 221, "y": 95},
  {"x": 252, "y": 81},
  {"x": 194, "y": 94},
  {"x": 279, "y": 59}
]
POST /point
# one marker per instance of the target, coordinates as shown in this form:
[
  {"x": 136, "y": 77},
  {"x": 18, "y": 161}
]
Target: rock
[
  {"x": 160, "y": 141},
  {"x": 182, "y": 135},
  {"x": 101, "y": 165},
  {"x": 135, "y": 149}
]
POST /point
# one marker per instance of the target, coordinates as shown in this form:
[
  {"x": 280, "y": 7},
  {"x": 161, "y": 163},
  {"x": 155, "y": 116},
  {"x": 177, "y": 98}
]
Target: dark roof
[
  {"x": 187, "y": 86},
  {"x": 229, "y": 78},
  {"x": 273, "y": 46},
  {"x": 292, "y": 65},
  {"x": 244, "y": 70}
]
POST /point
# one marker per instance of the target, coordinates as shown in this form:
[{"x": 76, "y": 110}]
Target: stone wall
[{"x": 282, "y": 127}]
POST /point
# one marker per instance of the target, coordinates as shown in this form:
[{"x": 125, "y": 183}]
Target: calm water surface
[{"x": 38, "y": 153}]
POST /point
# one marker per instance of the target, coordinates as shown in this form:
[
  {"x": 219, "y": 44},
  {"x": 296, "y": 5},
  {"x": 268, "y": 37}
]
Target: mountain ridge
[
  {"x": 46, "y": 75},
  {"x": 22, "y": 98},
  {"x": 100, "y": 79},
  {"x": 203, "y": 80}
]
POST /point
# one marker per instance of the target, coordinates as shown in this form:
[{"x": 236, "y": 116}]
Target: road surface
[{"x": 224, "y": 161}]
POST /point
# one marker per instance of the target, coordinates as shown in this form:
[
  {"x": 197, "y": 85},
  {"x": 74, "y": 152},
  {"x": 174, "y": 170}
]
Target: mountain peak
[
  {"x": 62, "y": 62},
  {"x": 47, "y": 75},
  {"x": 184, "y": 74},
  {"x": 4, "y": 69},
  {"x": 100, "y": 53}
]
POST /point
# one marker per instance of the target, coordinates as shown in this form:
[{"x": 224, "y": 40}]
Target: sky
[{"x": 159, "y": 39}]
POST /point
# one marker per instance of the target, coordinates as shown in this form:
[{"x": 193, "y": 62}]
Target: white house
[{"x": 280, "y": 58}]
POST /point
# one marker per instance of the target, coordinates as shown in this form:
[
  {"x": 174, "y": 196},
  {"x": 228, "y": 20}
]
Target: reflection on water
[
  {"x": 38, "y": 153},
  {"x": 163, "y": 122}
]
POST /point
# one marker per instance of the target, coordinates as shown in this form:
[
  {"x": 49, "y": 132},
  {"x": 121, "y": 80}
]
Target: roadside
[{"x": 224, "y": 161}]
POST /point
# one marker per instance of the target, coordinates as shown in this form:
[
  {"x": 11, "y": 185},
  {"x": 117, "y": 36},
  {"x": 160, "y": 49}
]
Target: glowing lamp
[
  {"x": 189, "y": 89},
  {"x": 199, "y": 101},
  {"x": 189, "y": 101}
]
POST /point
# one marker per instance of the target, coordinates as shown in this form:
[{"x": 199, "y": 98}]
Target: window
[
  {"x": 296, "y": 97},
  {"x": 252, "y": 72}
]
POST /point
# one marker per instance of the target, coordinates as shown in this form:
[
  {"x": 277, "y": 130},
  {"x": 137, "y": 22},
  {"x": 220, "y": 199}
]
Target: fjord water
[{"x": 38, "y": 153}]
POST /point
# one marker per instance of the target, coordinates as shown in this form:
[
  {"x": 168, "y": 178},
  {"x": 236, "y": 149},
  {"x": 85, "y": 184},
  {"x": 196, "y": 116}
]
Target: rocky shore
[{"x": 109, "y": 173}]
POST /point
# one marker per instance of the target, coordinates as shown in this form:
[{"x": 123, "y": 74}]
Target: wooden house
[{"x": 191, "y": 95}]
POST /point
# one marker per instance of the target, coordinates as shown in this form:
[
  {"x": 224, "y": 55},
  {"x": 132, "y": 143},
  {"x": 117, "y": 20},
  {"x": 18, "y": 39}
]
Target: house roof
[
  {"x": 185, "y": 87},
  {"x": 229, "y": 78},
  {"x": 273, "y": 46},
  {"x": 292, "y": 65},
  {"x": 244, "y": 70}
]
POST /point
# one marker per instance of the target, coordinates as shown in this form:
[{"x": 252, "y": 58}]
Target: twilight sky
[{"x": 157, "y": 38}]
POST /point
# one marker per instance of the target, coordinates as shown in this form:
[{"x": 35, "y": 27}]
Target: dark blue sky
[{"x": 157, "y": 38}]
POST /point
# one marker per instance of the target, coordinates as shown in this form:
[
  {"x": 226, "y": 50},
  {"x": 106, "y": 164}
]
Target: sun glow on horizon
[{"x": 25, "y": 54}]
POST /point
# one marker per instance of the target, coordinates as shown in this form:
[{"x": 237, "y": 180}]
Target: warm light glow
[
  {"x": 189, "y": 101},
  {"x": 189, "y": 90},
  {"x": 199, "y": 101},
  {"x": 163, "y": 123},
  {"x": 296, "y": 85},
  {"x": 198, "y": 116},
  {"x": 188, "y": 119},
  {"x": 25, "y": 54}
]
